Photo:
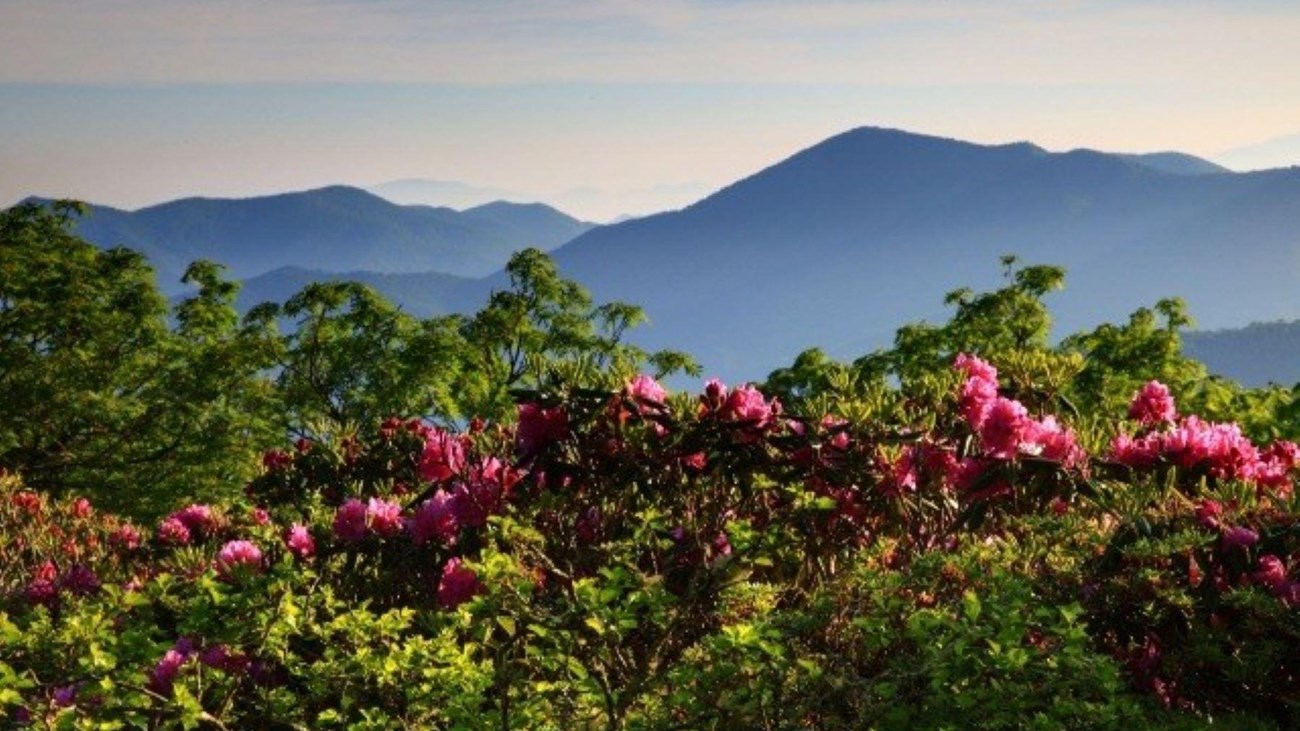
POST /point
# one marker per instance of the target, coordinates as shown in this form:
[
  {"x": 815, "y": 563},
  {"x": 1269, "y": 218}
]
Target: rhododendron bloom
[
  {"x": 260, "y": 516},
  {"x": 238, "y": 556},
  {"x": 64, "y": 696},
  {"x": 221, "y": 658},
  {"x": 164, "y": 673},
  {"x": 1141, "y": 453},
  {"x": 746, "y": 404},
  {"x": 299, "y": 541},
  {"x": 1239, "y": 537},
  {"x": 979, "y": 391},
  {"x": 1004, "y": 425},
  {"x": 1153, "y": 405},
  {"x": 29, "y": 502},
  {"x": 384, "y": 517},
  {"x": 443, "y": 456},
  {"x": 199, "y": 519},
  {"x": 435, "y": 519},
  {"x": 81, "y": 508},
  {"x": 1271, "y": 572},
  {"x": 1208, "y": 513},
  {"x": 458, "y": 584},
  {"x": 646, "y": 388},
  {"x": 1049, "y": 440},
  {"x": 350, "y": 520},
  {"x": 538, "y": 428},
  {"x": 80, "y": 579},
  {"x": 126, "y": 537},
  {"x": 172, "y": 532}
]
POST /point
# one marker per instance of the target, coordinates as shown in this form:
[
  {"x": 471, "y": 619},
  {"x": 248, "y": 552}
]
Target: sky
[{"x": 608, "y": 108}]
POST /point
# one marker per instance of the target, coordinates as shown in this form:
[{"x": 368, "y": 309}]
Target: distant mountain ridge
[
  {"x": 332, "y": 229},
  {"x": 843, "y": 242}
]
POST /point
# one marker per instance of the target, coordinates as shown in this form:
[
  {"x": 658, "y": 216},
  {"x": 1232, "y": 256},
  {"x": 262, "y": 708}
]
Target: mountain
[
  {"x": 1176, "y": 163},
  {"x": 331, "y": 229},
  {"x": 1255, "y": 355},
  {"x": 841, "y": 243},
  {"x": 440, "y": 193},
  {"x": 419, "y": 293}
]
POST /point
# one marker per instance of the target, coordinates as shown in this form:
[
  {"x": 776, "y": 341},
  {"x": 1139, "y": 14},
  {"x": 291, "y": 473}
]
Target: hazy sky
[{"x": 628, "y": 103}]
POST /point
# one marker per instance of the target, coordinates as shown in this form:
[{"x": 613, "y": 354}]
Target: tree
[{"x": 101, "y": 396}]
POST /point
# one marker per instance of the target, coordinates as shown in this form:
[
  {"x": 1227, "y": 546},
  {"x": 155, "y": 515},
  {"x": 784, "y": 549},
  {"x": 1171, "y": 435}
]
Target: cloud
[{"x": 530, "y": 41}]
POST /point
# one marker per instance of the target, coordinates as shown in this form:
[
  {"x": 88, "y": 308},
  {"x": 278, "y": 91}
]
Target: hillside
[
  {"x": 838, "y": 244},
  {"x": 330, "y": 229},
  {"x": 1255, "y": 355}
]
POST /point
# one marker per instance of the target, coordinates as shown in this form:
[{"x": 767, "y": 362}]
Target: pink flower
[
  {"x": 274, "y": 460},
  {"x": 350, "y": 520},
  {"x": 1153, "y": 405},
  {"x": 199, "y": 520},
  {"x": 384, "y": 517},
  {"x": 1004, "y": 426},
  {"x": 65, "y": 696},
  {"x": 125, "y": 538},
  {"x": 538, "y": 428},
  {"x": 1271, "y": 572},
  {"x": 172, "y": 532},
  {"x": 260, "y": 516},
  {"x": 1140, "y": 453},
  {"x": 238, "y": 556},
  {"x": 458, "y": 584},
  {"x": 42, "y": 589},
  {"x": 443, "y": 456},
  {"x": 221, "y": 658},
  {"x": 746, "y": 405},
  {"x": 979, "y": 391},
  {"x": 1239, "y": 537},
  {"x": 81, "y": 580},
  {"x": 81, "y": 508},
  {"x": 435, "y": 518},
  {"x": 28, "y": 502},
  {"x": 164, "y": 673},
  {"x": 299, "y": 542},
  {"x": 645, "y": 389},
  {"x": 1049, "y": 440},
  {"x": 1208, "y": 513}
]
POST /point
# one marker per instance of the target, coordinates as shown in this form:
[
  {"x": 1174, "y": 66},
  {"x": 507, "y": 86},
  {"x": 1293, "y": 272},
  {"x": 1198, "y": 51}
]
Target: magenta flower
[
  {"x": 746, "y": 404},
  {"x": 1050, "y": 440},
  {"x": 200, "y": 519},
  {"x": 172, "y": 532},
  {"x": 81, "y": 580},
  {"x": 443, "y": 456},
  {"x": 458, "y": 584},
  {"x": 435, "y": 519},
  {"x": 125, "y": 538},
  {"x": 299, "y": 542},
  {"x": 384, "y": 517},
  {"x": 1153, "y": 405},
  {"x": 646, "y": 389},
  {"x": 1004, "y": 427},
  {"x": 538, "y": 428},
  {"x": 1239, "y": 537},
  {"x": 164, "y": 673},
  {"x": 65, "y": 696},
  {"x": 350, "y": 520},
  {"x": 260, "y": 516},
  {"x": 238, "y": 556},
  {"x": 1271, "y": 573},
  {"x": 81, "y": 508}
]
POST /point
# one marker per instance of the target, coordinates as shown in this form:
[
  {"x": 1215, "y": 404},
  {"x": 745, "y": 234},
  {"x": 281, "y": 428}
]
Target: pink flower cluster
[
  {"x": 47, "y": 583},
  {"x": 743, "y": 405},
  {"x": 443, "y": 456},
  {"x": 1220, "y": 450},
  {"x": 237, "y": 557},
  {"x": 188, "y": 524},
  {"x": 354, "y": 520},
  {"x": 1004, "y": 426},
  {"x": 457, "y": 585},
  {"x": 538, "y": 428}
]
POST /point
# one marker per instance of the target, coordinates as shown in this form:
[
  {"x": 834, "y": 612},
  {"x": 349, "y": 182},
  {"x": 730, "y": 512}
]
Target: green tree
[{"x": 101, "y": 395}]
